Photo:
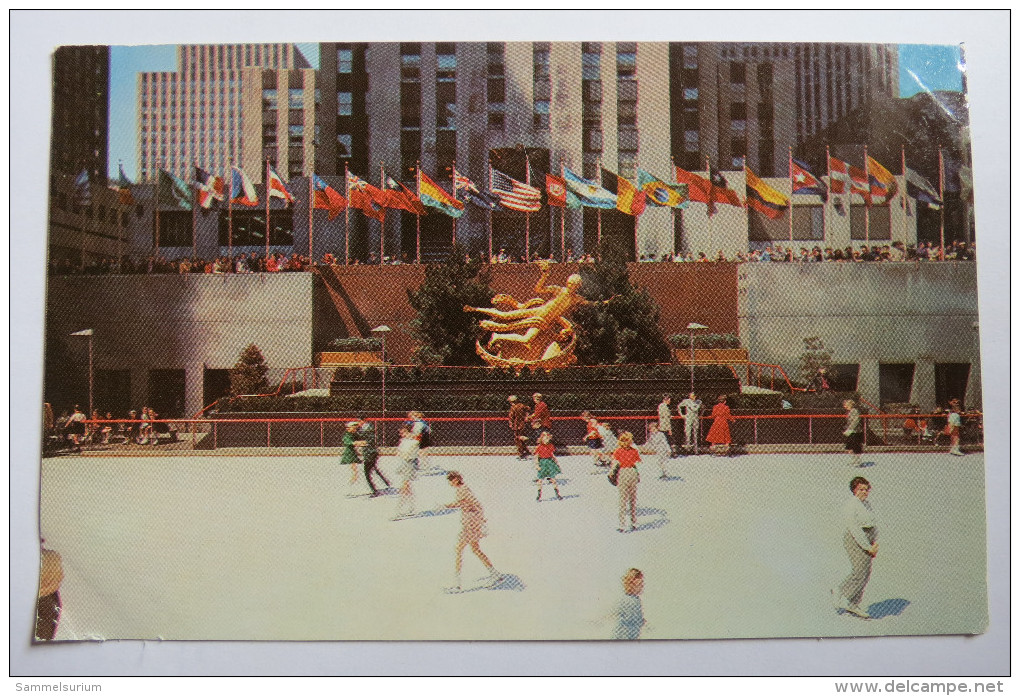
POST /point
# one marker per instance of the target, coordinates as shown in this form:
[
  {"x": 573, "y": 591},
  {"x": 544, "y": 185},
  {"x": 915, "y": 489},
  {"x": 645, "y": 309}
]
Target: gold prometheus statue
[{"x": 534, "y": 333}]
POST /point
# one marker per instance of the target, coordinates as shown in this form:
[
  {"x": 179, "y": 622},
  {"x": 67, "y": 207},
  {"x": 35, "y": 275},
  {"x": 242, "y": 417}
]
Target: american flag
[{"x": 516, "y": 195}]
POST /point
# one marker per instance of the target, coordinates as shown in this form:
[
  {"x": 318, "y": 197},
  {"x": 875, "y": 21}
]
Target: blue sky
[{"x": 935, "y": 67}]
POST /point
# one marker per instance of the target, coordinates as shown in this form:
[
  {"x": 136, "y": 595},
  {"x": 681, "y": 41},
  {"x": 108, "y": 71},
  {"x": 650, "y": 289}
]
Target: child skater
[
  {"x": 472, "y": 519},
  {"x": 608, "y": 444},
  {"x": 657, "y": 445},
  {"x": 593, "y": 439},
  {"x": 629, "y": 614},
  {"x": 546, "y": 464},
  {"x": 407, "y": 452}
]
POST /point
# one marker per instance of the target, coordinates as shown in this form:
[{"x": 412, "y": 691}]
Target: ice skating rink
[{"x": 284, "y": 548}]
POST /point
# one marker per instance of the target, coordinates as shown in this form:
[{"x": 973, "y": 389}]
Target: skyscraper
[{"x": 81, "y": 107}]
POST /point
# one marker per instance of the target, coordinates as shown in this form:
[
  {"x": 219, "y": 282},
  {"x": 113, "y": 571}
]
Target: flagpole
[
  {"x": 490, "y": 213},
  {"x": 942, "y": 208},
  {"x": 311, "y": 221},
  {"x": 347, "y": 215},
  {"x": 382, "y": 223},
  {"x": 563, "y": 220},
  {"x": 454, "y": 167},
  {"x": 672, "y": 211},
  {"x": 527, "y": 216},
  {"x": 267, "y": 212},
  {"x": 791, "y": 192},
  {"x": 867, "y": 200},
  {"x": 828, "y": 197},
  {"x": 230, "y": 217},
  {"x": 635, "y": 218},
  {"x": 903, "y": 198},
  {"x": 417, "y": 224},
  {"x": 711, "y": 196},
  {"x": 598, "y": 214}
]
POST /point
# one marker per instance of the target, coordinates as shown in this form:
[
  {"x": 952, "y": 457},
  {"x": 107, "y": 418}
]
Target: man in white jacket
[{"x": 861, "y": 543}]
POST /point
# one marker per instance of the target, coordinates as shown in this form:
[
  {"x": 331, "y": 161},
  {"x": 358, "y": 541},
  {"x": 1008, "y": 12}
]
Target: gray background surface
[{"x": 33, "y": 36}]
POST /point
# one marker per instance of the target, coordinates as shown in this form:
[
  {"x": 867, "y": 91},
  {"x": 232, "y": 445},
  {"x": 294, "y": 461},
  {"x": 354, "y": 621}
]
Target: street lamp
[
  {"x": 382, "y": 330},
  {"x": 692, "y": 327},
  {"x": 88, "y": 332}
]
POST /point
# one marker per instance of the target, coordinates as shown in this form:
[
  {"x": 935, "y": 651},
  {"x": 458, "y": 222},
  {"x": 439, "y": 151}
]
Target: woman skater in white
[
  {"x": 407, "y": 452},
  {"x": 472, "y": 518},
  {"x": 657, "y": 445}
]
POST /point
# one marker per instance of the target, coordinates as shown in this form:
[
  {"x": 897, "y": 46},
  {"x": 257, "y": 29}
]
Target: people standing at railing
[
  {"x": 860, "y": 539},
  {"x": 690, "y": 409},
  {"x": 719, "y": 434},
  {"x": 852, "y": 433},
  {"x": 369, "y": 455},
  {"x": 75, "y": 427},
  {"x": 666, "y": 423},
  {"x": 349, "y": 454},
  {"x": 518, "y": 420}
]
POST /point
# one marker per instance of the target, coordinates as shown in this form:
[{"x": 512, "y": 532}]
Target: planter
[
  {"x": 349, "y": 359},
  {"x": 711, "y": 356}
]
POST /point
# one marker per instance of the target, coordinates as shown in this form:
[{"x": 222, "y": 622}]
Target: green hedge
[
  {"x": 585, "y": 374},
  {"x": 355, "y": 344}
]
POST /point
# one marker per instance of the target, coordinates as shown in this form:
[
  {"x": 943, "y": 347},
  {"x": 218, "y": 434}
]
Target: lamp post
[
  {"x": 692, "y": 327},
  {"x": 88, "y": 332},
  {"x": 382, "y": 330}
]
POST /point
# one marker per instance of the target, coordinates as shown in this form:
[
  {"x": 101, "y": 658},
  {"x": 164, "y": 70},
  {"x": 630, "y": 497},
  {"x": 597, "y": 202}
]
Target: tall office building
[
  {"x": 210, "y": 109},
  {"x": 732, "y": 101},
  {"x": 81, "y": 111}
]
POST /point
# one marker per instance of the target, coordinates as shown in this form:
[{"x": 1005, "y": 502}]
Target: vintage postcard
[{"x": 511, "y": 340}]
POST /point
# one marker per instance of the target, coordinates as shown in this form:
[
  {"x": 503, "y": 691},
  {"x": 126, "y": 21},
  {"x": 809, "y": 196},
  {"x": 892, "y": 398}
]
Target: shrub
[
  {"x": 248, "y": 376},
  {"x": 355, "y": 344}
]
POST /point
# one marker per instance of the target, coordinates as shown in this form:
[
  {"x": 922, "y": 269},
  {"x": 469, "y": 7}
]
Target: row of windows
[{"x": 100, "y": 213}]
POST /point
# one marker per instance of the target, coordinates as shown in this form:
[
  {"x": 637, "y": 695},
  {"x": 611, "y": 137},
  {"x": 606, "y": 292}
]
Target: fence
[{"x": 820, "y": 429}]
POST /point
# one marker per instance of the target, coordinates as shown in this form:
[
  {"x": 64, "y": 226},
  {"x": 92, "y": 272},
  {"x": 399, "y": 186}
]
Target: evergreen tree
[
  {"x": 445, "y": 332},
  {"x": 248, "y": 376},
  {"x": 626, "y": 330}
]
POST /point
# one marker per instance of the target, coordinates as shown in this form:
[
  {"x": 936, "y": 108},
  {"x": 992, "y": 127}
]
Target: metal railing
[{"x": 811, "y": 429}]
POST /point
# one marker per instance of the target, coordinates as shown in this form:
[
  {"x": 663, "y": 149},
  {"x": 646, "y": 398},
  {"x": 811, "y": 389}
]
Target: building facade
[
  {"x": 81, "y": 111},
  {"x": 206, "y": 113}
]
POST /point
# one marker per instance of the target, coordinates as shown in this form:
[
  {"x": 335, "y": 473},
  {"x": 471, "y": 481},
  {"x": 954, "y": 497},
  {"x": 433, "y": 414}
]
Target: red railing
[{"x": 492, "y": 431}]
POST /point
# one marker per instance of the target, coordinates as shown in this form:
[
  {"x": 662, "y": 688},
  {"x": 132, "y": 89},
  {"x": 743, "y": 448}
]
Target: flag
[
  {"x": 473, "y": 194},
  {"x": 629, "y": 200},
  {"x": 210, "y": 188},
  {"x": 326, "y": 197},
  {"x": 122, "y": 186},
  {"x": 241, "y": 189},
  {"x": 708, "y": 191},
  {"x": 556, "y": 191},
  {"x": 763, "y": 198},
  {"x": 659, "y": 193},
  {"x": 399, "y": 196},
  {"x": 172, "y": 191},
  {"x": 432, "y": 194},
  {"x": 844, "y": 178},
  {"x": 514, "y": 194},
  {"x": 82, "y": 190},
  {"x": 920, "y": 188},
  {"x": 276, "y": 188},
  {"x": 588, "y": 192},
  {"x": 882, "y": 182},
  {"x": 366, "y": 198},
  {"x": 806, "y": 183}
]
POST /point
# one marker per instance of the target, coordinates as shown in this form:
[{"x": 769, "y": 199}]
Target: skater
[
  {"x": 626, "y": 458},
  {"x": 657, "y": 446},
  {"x": 852, "y": 433},
  {"x": 546, "y": 465},
  {"x": 953, "y": 422},
  {"x": 666, "y": 423},
  {"x": 366, "y": 447},
  {"x": 593, "y": 438},
  {"x": 719, "y": 434},
  {"x": 604, "y": 457},
  {"x": 407, "y": 453},
  {"x": 472, "y": 519},
  {"x": 861, "y": 543},
  {"x": 518, "y": 420},
  {"x": 690, "y": 408},
  {"x": 350, "y": 455},
  {"x": 629, "y": 614}
]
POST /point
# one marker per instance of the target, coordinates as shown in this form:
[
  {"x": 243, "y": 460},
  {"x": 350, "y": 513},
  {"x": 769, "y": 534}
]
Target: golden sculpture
[{"x": 534, "y": 333}]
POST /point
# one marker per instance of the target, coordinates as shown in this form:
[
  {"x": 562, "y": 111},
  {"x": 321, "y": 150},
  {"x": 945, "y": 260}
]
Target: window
[
  {"x": 765, "y": 76},
  {"x": 344, "y": 60},
  {"x": 627, "y": 162},
  {"x": 626, "y": 114},
  {"x": 410, "y": 67},
  {"x": 541, "y": 61},
  {"x": 496, "y": 92},
  {"x": 626, "y": 64},
  {"x": 541, "y": 115},
  {"x": 592, "y": 90},
  {"x": 268, "y": 100},
  {"x": 590, "y": 66},
  {"x": 345, "y": 103},
  {"x": 895, "y": 381},
  {"x": 738, "y": 73},
  {"x": 296, "y": 98},
  {"x": 446, "y": 67},
  {"x": 690, "y": 56},
  {"x": 318, "y": 96},
  {"x": 690, "y": 93},
  {"x": 593, "y": 141},
  {"x": 691, "y": 141},
  {"x": 297, "y": 135},
  {"x": 627, "y": 139},
  {"x": 344, "y": 144},
  {"x": 497, "y": 120}
]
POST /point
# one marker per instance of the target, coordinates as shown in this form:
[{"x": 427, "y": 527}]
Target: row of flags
[{"x": 874, "y": 184}]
